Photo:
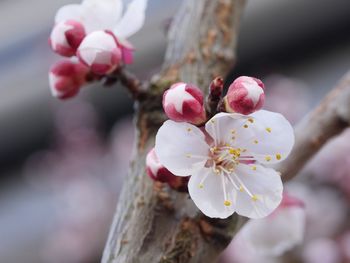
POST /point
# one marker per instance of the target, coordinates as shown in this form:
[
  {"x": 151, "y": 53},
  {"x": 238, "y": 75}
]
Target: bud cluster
[{"x": 94, "y": 34}]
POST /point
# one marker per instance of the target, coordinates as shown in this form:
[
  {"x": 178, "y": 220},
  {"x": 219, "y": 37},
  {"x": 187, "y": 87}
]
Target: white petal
[
  {"x": 266, "y": 135},
  {"x": 206, "y": 190},
  {"x": 274, "y": 134},
  {"x": 101, "y": 15},
  {"x": 277, "y": 233},
  {"x": 67, "y": 12},
  {"x": 261, "y": 193},
  {"x": 133, "y": 19},
  {"x": 221, "y": 126},
  {"x": 180, "y": 147}
]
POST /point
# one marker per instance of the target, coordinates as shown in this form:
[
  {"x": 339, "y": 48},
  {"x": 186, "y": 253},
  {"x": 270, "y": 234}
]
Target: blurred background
[{"x": 62, "y": 162}]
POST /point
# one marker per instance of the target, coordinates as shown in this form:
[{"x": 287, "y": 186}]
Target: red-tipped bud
[
  {"x": 66, "y": 37},
  {"x": 216, "y": 88},
  {"x": 127, "y": 50},
  {"x": 158, "y": 172},
  {"x": 66, "y": 78},
  {"x": 215, "y": 92},
  {"x": 184, "y": 103},
  {"x": 245, "y": 95},
  {"x": 100, "y": 52}
]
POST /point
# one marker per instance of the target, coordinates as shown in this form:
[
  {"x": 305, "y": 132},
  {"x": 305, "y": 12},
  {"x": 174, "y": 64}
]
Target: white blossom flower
[
  {"x": 226, "y": 161},
  {"x": 279, "y": 232},
  {"x": 105, "y": 46},
  {"x": 98, "y": 15}
]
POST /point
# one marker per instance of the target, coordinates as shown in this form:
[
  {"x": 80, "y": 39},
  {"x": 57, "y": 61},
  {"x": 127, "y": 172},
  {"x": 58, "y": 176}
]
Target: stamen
[
  {"x": 255, "y": 198},
  {"x": 245, "y": 126},
  {"x": 189, "y": 129},
  {"x": 268, "y": 129},
  {"x": 201, "y": 184},
  {"x": 268, "y": 158},
  {"x": 251, "y": 120},
  {"x": 256, "y": 141},
  {"x": 226, "y": 201},
  {"x": 278, "y": 156},
  {"x": 244, "y": 187}
]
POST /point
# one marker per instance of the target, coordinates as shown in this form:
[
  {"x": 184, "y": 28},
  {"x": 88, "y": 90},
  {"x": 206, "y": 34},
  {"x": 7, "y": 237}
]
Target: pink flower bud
[
  {"x": 66, "y": 78},
  {"x": 158, "y": 172},
  {"x": 100, "y": 51},
  {"x": 155, "y": 169},
  {"x": 127, "y": 51},
  {"x": 66, "y": 37},
  {"x": 245, "y": 95},
  {"x": 184, "y": 103}
]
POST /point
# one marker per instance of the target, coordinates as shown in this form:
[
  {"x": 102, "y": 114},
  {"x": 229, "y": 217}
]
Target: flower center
[{"x": 225, "y": 158}]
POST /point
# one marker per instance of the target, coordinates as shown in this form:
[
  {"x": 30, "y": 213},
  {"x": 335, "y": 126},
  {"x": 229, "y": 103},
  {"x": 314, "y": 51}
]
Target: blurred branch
[
  {"x": 328, "y": 119},
  {"x": 152, "y": 223}
]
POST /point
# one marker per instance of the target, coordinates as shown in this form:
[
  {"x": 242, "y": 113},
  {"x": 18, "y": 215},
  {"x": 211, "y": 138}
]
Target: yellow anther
[
  {"x": 212, "y": 121},
  {"x": 278, "y": 156},
  {"x": 251, "y": 120},
  {"x": 268, "y": 129},
  {"x": 201, "y": 186},
  {"x": 188, "y": 155},
  {"x": 233, "y": 131},
  {"x": 254, "y": 168},
  {"x": 233, "y": 138},
  {"x": 268, "y": 158},
  {"x": 189, "y": 129},
  {"x": 241, "y": 189},
  {"x": 227, "y": 203},
  {"x": 255, "y": 198},
  {"x": 227, "y": 145},
  {"x": 245, "y": 126},
  {"x": 256, "y": 141}
]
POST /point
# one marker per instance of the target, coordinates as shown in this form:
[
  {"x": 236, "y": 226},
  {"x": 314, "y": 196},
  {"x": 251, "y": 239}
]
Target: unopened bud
[
  {"x": 159, "y": 173},
  {"x": 100, "y": 52},
  {"x": 184, "y": 103},
  {"x": 245, "y": 96},
  {"x": 215, "y": 92},
  {"x": 66, "y": 37},
  {"x": 66, "y": 78}
]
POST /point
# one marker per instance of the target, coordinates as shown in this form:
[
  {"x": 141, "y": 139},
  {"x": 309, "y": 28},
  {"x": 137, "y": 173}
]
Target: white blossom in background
[
  {"x": 266, "y": 239},
  {"x": 107, "y": 28},
  {"x": 322, "y": 250},
  {"x": 227, "y": 162},
  {"x": 276, "y": 234}
]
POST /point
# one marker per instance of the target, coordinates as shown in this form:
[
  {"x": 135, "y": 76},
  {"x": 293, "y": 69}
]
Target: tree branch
[
  {"x": 328, "y": 119},
  {"x": 153, "y": 223}
]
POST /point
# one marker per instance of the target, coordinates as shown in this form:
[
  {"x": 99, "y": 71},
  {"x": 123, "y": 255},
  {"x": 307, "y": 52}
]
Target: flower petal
[
  {"x": 206, "y": 190},
  {"x": 222, "y": 126},
  {"x": 265, "y": 135},
  {"x": 133, "y": 19},
  {"x": 271, "y": 137},
  {"x": 180, "y": 147},
  {"x": 261, "y": 190},
  {"x": 101, "y": 15},
  {"x": 67, "y": 12}
]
